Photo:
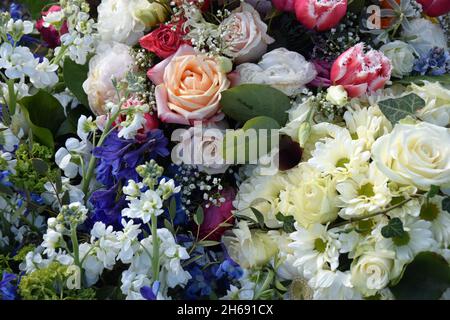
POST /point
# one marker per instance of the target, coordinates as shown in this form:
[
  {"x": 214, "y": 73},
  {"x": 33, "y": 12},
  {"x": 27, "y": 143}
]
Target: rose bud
[
  {"x": 214, "y": 216},
  {"x": 359, "y": 72},
  {"x": 320, "y": 14},
  {"x": 51, "y": 27},
  {"x": 284, "y": 5},
  {"x": 163, "y": 41},
  {"x": 435, "y": 8}
]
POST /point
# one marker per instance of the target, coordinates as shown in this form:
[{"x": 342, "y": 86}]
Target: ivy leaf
[
  {"x": 247, "y": 101},
  {"x": 288, "y": 225},
  {"x": 434, "y": 190},
  {"x": 40, "y": 166},
  {"x": 426, "y": 278},
  {"x": 399, "y": 108},
  {"x": 446, "y": 204},
  {"x": 199, "y": 216},
  {"x": 259, "y": 217},
  {"x": 393, "y": 229},
  {"x": 74, "y": 75}
]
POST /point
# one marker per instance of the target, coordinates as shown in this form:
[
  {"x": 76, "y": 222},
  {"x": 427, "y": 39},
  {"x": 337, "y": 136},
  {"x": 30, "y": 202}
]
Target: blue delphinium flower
[
  {"x": 107, "y": 207},
  {"x": 150, "y": 293},
  {"x": 8, "y": 290},
  {"x": 200, "y": 285},
  {"x": 229, "y": 269},
  {"x": 435, "y": 63}
]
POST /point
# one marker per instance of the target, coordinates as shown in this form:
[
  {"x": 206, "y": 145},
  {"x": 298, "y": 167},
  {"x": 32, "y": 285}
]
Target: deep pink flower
[
  {"x": 50, "y": 34},
  {"x": 360, "y": 72},
  {"x": 322, "y": 79},
  {"x": 164, "y": 41},
  {"x": 284, "y": 5},
  {"x": 320, "y": 14},
  {"x": 435, "y": 8},
  {"x": 214, "y": 216}
]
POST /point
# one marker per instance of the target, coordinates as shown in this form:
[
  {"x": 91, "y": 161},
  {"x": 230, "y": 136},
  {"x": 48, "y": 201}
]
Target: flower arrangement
[{"x": 196, "y": 149}]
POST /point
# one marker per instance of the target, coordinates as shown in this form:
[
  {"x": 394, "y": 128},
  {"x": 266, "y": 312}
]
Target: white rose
[
  {"x": 250, "y": 248},
  {"x": 285, "y": 70},
  {"x": 401, "y": 56},
  {"x": 373, "y": 271},
  {"x": 437, "y": 103},
  {"x": 122, "y": 20},
  {"x": 202, "y": 147},
  {"x": 416, "y": 155},
  {"x": 310, "y": 197},
  {"x": 245, "y": 35},
  {"x": 425, "y": 35},
  {"x": 337, "y": 95},
  {"x": 113, "y": 60}
]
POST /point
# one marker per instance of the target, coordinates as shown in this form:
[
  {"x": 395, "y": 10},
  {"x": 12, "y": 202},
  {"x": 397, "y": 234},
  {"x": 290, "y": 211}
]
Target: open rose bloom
[
  {"x": 188, "y": 87},
  {"x": 320, "y": 14},
  {"x": 360, "y": 72}
]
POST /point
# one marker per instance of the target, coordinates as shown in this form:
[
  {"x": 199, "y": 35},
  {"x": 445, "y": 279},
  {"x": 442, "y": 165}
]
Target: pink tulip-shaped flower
[
  {"x": 360, "y": 72},
  {"x": 320, "y": 14},
  {"x": 50, "y": 34},
  {"x": 284, "y": 5},
  {"x": 435, "y": 8}
]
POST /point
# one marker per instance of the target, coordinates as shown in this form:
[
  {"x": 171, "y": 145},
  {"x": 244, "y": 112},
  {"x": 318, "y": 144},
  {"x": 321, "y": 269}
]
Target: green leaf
[
  {"x": 74, "y": 75},
  {"x": 44, "y": 111},
  {"x": 65, "y": 198},
  {"x": 199, "y": 216},
  {"x": 40, "y": 166},
  {"x": 247, "y": 101},
  {"x": 208, "y": 243},
  {"x": 35, "y": 7},
  {"x": 426, "y": 278},
  {"x": 356, "y": 6},
  {"x": 259, "y": 217},
  {"x": 434, "y": 190},
  {"x": 399, "y": 108},
  {"x": 42, "y": 135},
  {"x": 172, "y": 208},
  {"x": 443, "y": 79},
  {"x": 446, "y": 204},
  {"x": 168, "y": 225},
  {"x": 288, "y": 225},
  {"x": 393, "y": 229},
  {"x": 70, "y": 125}
]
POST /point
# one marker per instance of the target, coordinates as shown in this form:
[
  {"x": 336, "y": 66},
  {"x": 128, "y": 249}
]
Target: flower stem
[{"x": 155, "y": 255}]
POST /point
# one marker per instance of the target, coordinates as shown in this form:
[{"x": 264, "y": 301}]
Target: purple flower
[
  {"x": 8, "y": 291},
  {"x": 107, "y": 207},
  {"x": 150, "y": 293},
  {"x": 435, "y": 63}
]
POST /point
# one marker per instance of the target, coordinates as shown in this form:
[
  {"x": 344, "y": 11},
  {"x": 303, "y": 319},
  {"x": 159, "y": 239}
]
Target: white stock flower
[
  {"x": 245, "y": 34},
  {"x": 415, "y": 155},
  {"x": 363, "y": 193},
  {"x": 437, "y": 102},
  {"x": 341, "y": 156},
  {"x": 401, "y": 56},
  {"x": 103, "y": 68},
  {"x": 314, "y": 248},
  {"x": 167, "y": 188},
  {"x": 285, "y": 70},
  {"x": 148, "y": 204}
]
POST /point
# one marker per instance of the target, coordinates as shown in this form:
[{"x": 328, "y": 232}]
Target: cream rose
[
  {"x": 309, "y": 197},
  {"x": 189, "y": 87},
  {"x": 401, "y": 56},
  {"x": 245, "y": 36},
  {"x": 437, "y": 103},
  {"x": 251, "y": 248},
  {"x": 373, "y": 271},
  {"x": 285, "y": 70},
  {"x": 104, "y": 67},
  {"x": 416, "y": 155}
]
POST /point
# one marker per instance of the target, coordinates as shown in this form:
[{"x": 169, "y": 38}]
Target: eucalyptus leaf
[
  {"x": 426, "y": 278},
  {"x": 247, "y": 101},
  {"x": 399, "y": 108}
]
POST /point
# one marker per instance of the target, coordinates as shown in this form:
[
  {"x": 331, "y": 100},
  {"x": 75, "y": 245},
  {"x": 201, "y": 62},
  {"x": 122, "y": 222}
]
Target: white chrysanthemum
[
  {"x": 261, "y": 193},
  {"x": 341, "y": 156},
  {"x": 432, "y": 211},
  {"x": 367, "y": 124},
  {"x": 117, "y": 21},
  {"x": 103, "y": 68},
  {"x": 363, "y": 193},
  {"x": 417, "y": 237},
  {"x": 333, "y": 285},
  {"x": 309, "y": 197},
  {"x": 314, "y": 248}
]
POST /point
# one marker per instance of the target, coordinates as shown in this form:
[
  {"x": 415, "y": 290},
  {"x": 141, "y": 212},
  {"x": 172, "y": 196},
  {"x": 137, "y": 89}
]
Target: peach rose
[{"x": 189, "y": 87}]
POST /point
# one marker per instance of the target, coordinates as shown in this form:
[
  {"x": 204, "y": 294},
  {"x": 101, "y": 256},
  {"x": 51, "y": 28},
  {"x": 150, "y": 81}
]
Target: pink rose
[
  {"x": 214, "y": 216},
  {"x": 284, "y": 5},
  {"x": 50, "y": 34},
  {"x": 188, "y": 87},
  {"x": 320, "y": 14},
  {"x": 435, "y": 8},
  {"x": 246, "y": 35},
  {"x": 361, "y": 72},
  {"x": 163, "y": 41}
]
